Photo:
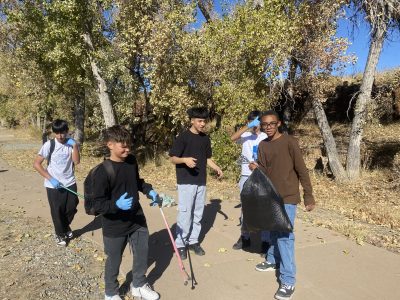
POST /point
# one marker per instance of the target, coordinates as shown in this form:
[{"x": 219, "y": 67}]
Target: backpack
[
  {"x": 88, "y": 186},
  {"x": 52, "y": 146}
]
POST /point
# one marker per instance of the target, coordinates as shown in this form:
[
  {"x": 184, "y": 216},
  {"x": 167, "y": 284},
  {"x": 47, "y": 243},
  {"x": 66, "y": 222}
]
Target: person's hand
[
  {"x": 70, "y": 142},
  {"x": 190, "y": 162},
  {"x": 153, "y": 195},
  {"x": 310, "y": 207},
  {"x": 219, "y": 173},
  {"x": 254, "y": 123},
  {"x": 55, "y": 183},
  {"x": 253, "y": 165},
  {"x": 123, "y": 202},
  {"x": 156, "y": 200}
]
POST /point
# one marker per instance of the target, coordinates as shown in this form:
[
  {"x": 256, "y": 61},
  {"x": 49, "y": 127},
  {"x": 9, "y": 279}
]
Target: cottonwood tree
[
  {"x": 55, "y": 35},
  {"x": 382, "y": 16},
  {"x": 316, "y": 54}
]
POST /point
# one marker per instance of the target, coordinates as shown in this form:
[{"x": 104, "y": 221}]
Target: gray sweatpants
[
  {"x": 190, "y": 212},
  {"x": 114, "y": 248}
]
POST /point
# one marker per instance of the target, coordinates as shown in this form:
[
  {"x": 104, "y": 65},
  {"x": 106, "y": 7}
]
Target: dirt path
[{"x": 329, "y": 265}]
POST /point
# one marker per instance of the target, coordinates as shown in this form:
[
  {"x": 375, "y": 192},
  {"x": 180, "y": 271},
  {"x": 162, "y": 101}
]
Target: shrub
[{"x": 225, "y": 153}]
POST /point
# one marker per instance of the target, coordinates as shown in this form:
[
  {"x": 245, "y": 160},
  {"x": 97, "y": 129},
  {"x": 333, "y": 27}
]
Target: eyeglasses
[{"x": 272, "y": 124}]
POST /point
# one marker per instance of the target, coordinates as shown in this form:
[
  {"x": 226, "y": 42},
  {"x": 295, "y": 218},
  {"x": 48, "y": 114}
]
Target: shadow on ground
[
  {"x": 92, "y": 226},
  {"x": 210, "y": 213},
  {"x": 160, "y": 255}
]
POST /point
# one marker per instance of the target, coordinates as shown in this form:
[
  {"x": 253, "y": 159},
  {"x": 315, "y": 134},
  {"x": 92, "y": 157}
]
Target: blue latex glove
[
  {"x": 71, "y": 142},
  {"x": 154, "y": 196},
  {"x": 55, "y": 183},
  {"x": 124, "y": 203},
  {"x": 254, "y": 123}
]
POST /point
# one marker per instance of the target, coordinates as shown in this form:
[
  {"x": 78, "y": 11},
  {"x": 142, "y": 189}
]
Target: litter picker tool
[
  {"x": 73, "y": 192},
  {"x": 194, "y": 282},
  {"x": 242, "y": 160},
  {"x": 185, "y": 275}
]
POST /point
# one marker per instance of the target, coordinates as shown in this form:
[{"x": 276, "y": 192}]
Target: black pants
[
  {"x": 63, "y": 208},
  {"x": 114, "y": 248}
]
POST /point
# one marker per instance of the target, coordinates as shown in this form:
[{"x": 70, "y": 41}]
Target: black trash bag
[{"x": 262, "y": 207}]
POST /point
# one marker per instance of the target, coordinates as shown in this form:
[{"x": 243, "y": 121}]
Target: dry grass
[{"x": 368, "y": 209}]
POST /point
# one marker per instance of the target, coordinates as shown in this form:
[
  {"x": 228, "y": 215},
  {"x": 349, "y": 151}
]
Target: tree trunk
[
  {"x": 79, "y": 115},
  {"x": 288, "y": 94},
  {"x": 207, "y": 9},
  {"x": 360, "y": 110},
  {"x": 102, "y": 93},
  {"x": 38, "y": 120},
  {"x": 329, "y": 142}
]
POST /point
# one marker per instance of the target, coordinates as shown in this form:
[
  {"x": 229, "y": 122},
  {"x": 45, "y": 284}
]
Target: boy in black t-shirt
[
  {"x": 191, "y": 153},
  {"x": 123, "y": 220}
]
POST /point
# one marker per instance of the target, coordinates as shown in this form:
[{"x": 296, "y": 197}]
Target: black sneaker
[
  {"x": 266, "y": 267},
  {"x": 242, "y": 243},
  {"x": 196, "y": 248},
  {"x": 61, "y": 241},
  {"x": 69, "y": 235},
  {"x": 182, "y": 253},
  {"x": 285, "y": 292}
]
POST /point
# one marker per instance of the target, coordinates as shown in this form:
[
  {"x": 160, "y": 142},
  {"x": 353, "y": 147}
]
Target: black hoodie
[{"x": 117, "y": 222}]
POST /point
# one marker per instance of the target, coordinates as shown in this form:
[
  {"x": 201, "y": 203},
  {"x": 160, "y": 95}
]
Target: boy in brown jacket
[{"x": 280, "y": 158}]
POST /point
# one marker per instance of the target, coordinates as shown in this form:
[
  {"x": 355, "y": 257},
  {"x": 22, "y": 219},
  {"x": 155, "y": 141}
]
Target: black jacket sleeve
[{"x": 143, "y": 186}]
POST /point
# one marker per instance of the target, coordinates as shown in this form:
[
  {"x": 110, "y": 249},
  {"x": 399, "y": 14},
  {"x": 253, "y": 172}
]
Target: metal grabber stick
[
  {"x": 194, "y": 282},
  {"x": 73, "y": 192},
  {"x": 185, "y": 275}
]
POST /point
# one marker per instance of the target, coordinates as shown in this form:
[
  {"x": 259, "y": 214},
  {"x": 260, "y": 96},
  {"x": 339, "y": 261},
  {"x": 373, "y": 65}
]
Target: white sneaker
[
  {"x": 145, "y": 292},
  {"x": 69, "y": 235},
  {"x": 115, "y": 297}
]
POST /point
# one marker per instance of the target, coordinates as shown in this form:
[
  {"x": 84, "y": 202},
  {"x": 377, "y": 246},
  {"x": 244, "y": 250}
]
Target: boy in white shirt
[
  {"x": 62, "y": 155},
  {"x": 249, "y": 137}
]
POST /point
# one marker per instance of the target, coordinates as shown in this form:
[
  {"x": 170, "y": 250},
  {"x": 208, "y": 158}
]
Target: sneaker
[
  {"x": 266, "y": 267},
  {"x": 182, "y": 253},
  {"x": 242, "y": 243},
  {"x": 115, "y": 297},
  {"x": 196, "y": 248},
  {"x": 285, "y": 292},
  {"x": 145, "y": 292},
  {"x": 61, "y": 241},
  {"x": 69, "y": 235},
  {"x": 264, "y": 247}
]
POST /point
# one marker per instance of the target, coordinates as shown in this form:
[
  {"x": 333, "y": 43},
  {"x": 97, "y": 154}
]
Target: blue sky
[{"x": 359, "y": 39}]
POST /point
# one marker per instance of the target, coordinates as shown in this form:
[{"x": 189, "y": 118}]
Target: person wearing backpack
[
  {"x": 62, "y": 155},
  {"x": 114, "y": 194}
]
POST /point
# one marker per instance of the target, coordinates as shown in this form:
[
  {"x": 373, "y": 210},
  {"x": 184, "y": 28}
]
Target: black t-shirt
[
  {"x": 117, "y": 222},
  {"x": 198, "y": 146}
]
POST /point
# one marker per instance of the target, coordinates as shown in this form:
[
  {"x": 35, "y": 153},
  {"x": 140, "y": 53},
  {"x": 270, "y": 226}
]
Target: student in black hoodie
[{"x": 123, "y": 220}]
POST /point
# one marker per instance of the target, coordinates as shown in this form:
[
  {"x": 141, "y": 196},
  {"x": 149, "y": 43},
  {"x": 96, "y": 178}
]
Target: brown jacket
[{"x": 281, "y": 160}]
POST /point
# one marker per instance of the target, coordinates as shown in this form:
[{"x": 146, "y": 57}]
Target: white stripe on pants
[{"x": 190, "y": 212}]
